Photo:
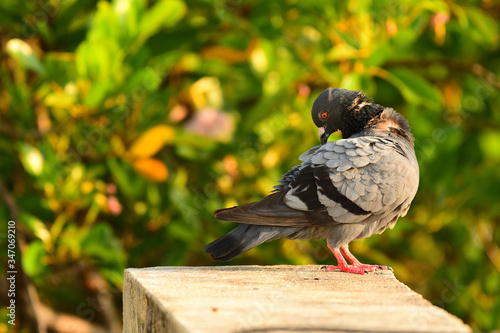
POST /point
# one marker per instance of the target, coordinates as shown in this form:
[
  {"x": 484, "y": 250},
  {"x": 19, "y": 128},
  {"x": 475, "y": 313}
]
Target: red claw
[
  {"x": 356, "y": 267},
  {"x": 347, "y": 269}
]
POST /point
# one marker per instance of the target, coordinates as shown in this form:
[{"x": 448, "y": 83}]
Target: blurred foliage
[{"x": 124, "y": 124}]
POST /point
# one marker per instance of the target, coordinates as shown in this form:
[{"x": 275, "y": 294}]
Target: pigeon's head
[{"x": 341, "y": 109}]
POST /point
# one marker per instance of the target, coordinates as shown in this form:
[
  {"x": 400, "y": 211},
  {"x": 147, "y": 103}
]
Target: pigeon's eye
[{"x": 324, "y": 115}]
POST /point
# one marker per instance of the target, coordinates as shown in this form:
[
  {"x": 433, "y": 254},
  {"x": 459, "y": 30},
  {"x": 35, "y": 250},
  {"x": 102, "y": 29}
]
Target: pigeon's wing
[
  {"x": 288, "y": 177},
  {"x": 346, "y": 181},
  {"x": 272, "y": 210},
  {"x": 365, "y": 179}
]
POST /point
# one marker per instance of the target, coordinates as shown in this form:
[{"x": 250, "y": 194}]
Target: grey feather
[
  {"x": 342, "y": 190},
  {"x": 243, "y": 238}
]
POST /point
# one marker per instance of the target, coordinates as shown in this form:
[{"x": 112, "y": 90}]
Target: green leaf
[
  {"x": 33, "y": 263},
  {"x": 414, "y": 88},
  {"x": 380, "y": 55},
  {"x": 98, "y": 92},
  {"x": 100, "y": 243},
  {"x": 489, "y": 145},
  {"x": 164, "y": 13},
  {"x": 436, "y": 6},
  {"x": 349, "y": 39},
  {"x": 482, "y": 27},
  {"x": 36, "y": 226},
  {"x": 99, "y": 59},
  {"x": 405, "y": 38},
  {"x": 23, "y": 53},
  {"x": 121, "y": 177},
  {"x": 181, "y": 230},
  {"x": 127, "y": 14},
  {"x": 351, "y": 81},
  {"x": 115, "y": 276},
  {"x": 31, "y": 158}
]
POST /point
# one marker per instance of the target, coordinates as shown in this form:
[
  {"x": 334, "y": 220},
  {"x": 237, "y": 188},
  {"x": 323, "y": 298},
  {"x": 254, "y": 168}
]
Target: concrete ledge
[{"x": 275, "y": 299}]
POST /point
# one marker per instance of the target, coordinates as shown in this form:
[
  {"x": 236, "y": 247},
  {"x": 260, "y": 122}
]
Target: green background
[{"x": 125, "y": 124}]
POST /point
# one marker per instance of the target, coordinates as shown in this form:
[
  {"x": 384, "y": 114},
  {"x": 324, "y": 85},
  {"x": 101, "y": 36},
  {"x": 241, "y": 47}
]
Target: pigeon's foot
[
  {"x": 372, "y": 268},
  {"x": 346, "y": 268},
  {"x": 355, "y": 262},
  {"x": 356, "y": 266}
]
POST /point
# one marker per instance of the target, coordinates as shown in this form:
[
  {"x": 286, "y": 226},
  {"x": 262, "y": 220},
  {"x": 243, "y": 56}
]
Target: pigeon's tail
[{"x": 243, "y": 238}]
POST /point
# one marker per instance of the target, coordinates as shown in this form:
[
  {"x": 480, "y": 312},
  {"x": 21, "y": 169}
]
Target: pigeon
[{"x": 343, "y": 190}]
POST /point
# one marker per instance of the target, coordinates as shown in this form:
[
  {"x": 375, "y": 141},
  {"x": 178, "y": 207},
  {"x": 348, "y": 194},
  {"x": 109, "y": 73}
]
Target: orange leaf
[
  {"x": 391, "y": 27},
  {"x": 229, "y": 54},
  {"x": 151, "y": 169},
  {"x": 151, "y": 141}
]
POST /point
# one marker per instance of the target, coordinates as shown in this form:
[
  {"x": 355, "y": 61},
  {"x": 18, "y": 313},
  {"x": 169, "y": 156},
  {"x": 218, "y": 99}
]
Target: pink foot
[
  {"x": 372, "y": 268},
  {"x": 356, "y": 267},
  {"x": 347, "y": 269}
]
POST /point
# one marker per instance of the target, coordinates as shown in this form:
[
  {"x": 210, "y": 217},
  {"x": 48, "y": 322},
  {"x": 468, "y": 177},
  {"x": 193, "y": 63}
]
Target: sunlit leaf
[
  {"x": 263, "y": 56},
  {"x": 489, "y": 145},
  {"x": 207, "y": 92},
  {"x": 342, "y": 51},
  {"x": 31, "y": 159},
  {"x": 259, "y": 60},
  {"x": 37, "y": 227},
  {"x": 127, "y": 15},
  {"x": 271, "y": 157},
  {"x": 23, "y": 53},
  {"x": 351, "y": 81},
  {"x": 163, "y": 13},
  {"x": 151, "y": 141},
  {"x": 437, "y": 6},
  {"x": 151, "y": 169},
  {"x": 59, "y": 100}
]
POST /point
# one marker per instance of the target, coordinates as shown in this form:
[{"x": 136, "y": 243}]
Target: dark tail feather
[
  {"x": 243, "y": 238},
  {"x": 258, "y": 213}
]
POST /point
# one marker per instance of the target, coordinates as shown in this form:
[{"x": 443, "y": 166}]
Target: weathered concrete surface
[{"x": 275, "y": 299}]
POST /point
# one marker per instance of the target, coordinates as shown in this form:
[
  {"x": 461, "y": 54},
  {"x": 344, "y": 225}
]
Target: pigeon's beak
[{"x": 323, "y": 135}]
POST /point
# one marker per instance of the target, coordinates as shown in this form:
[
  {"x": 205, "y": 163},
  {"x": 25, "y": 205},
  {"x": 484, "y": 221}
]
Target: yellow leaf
[
  {"x": 31, "y": 159},
  {"x": 259, "y": 60},
  {"x": 37, "y": 227},
  {"x": 271, "y": 158},
  {"x": 117, "y": 145},
  {"x": 151, "y": 169},
  {"x": 151, "y": 141},
  {"x": 207, "y": 92}
]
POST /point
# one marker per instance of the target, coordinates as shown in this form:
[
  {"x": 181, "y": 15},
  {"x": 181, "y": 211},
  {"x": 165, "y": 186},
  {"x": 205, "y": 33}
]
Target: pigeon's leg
[
  {"x": 342, "y": 264},
  {"x": 355, "y": 262}
]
